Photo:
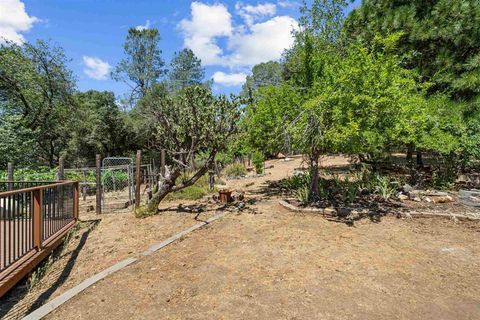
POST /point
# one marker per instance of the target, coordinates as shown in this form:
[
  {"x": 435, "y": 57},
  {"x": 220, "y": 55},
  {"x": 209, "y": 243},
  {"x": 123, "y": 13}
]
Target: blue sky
[{"x": 229, "y": 36}]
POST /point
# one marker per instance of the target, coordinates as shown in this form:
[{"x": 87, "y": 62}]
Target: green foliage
[
  {"x": 35, "y": 102},
  {"x": 295, "y": 182},
  {"x": 302, "y": 194},
  {"x": 383, "y": 186},
  {"x": 267, "y": 120},
  {"x": 263, "y": 75},
  {"x": 258, "y": 161},
  {"x": 143, "y": 65},
  {"x": 185, "y": 70},
  {"x": 439, "y": 39},
  {"x": 99, "y": 127},
  {"x": 235, "y": 170},
  {"x": 32, "y": 174}
]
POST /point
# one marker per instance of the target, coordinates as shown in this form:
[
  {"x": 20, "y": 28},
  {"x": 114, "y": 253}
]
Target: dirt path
[{"x": 280, "y": 265}]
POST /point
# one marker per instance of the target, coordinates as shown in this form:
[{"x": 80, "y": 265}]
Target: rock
[
  {"x": 428, "y": 199},
  {"x": 238, "y": 196},
  {"x": 344, "y": 212},
  {"x": 442, "y": 199},
  {"x": 297, "y": 173},
  {"x": 406, "y": 188},
  {"x": 402, "y": 197},
  {"x": 330, "y": 212}
]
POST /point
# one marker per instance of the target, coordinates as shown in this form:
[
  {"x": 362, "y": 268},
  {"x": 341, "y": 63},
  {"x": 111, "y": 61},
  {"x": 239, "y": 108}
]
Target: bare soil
[{"x": 269, "y": 263}]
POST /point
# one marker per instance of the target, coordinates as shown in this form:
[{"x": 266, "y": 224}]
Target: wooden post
[
  {"x": 162, "y": 163},
  {"x": 76, "y": 199},
  {"x": 138, "y": 176},
  {"x": 37, "y": 218},
  {"x": 10, "y": 176},
  {"x": 98, "y": 185}
]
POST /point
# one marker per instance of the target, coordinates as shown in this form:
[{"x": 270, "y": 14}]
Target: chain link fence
[{"x": 118, "y": 185}]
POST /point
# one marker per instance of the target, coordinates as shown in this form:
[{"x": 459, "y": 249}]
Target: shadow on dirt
[{"x": 19, "y": 302}]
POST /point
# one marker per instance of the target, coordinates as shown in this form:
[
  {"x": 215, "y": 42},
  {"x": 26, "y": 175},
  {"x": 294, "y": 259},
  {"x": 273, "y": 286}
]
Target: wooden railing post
[
  {"x": 37, "y": 218},
  {"x": 76, "y": 199}
]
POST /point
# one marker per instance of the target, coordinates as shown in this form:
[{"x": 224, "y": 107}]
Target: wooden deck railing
[{"x": 34, "y": 218}]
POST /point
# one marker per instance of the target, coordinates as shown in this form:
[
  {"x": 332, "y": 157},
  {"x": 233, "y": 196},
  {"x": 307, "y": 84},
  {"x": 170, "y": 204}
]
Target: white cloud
[
  {"x": 229, "y": 79},
  {"x": 251, "y": 13},
  {"x": 264, "y": 42},
  {"x": 287, "y": 4},
  {"x": 14, "y": 20},
  {"x": 261, "y": 38},
  {"x": 143, "y": 27},
  {"x": 96, "y": 68},
  {"x": 208, "y": 22}
]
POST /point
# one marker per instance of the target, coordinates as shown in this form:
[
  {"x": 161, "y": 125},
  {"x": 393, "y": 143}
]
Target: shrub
[
  {"x": 258, "y": 161},
  {"x": 296, "y": 182},
  {"x": 235, "y": 170},
  {"x": 301, "y": 195}
]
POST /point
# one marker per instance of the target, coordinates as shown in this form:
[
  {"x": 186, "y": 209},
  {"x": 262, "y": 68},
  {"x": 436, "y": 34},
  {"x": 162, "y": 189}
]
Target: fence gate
[{"x": 117, "y": 183}]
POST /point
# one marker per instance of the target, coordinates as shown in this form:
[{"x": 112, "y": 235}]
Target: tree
[
  {"x": 317, "y": 38},
  {"x": 184, "y": 125},
  {"x": 267, "y": 119},
  {"x": 185, "y": 70},
  {"x": 143, "y": 65},
  {"x": 100, "y": 128},
  {"x": 263, "y": 74},
  {"x": 440, "y": 39},
  {"x": 36, "y": 92}
]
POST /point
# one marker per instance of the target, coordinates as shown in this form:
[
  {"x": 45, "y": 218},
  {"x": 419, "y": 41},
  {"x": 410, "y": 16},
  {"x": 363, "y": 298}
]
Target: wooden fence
[{"x": 34, "y": 218}]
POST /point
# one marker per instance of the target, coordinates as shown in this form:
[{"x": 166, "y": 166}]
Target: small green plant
[
  {"x": 352, "y": 189},
  {"x": 295, "y": 182},
  {"x": 235, "y": 170},
  {"x": 384, "y": 186},
  {"x": 301, "y": 195},
  {"x": 258, "y": 161}
]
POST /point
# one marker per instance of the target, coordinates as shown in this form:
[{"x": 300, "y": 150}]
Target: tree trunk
[
  {"x": 313, "y": 195},
  {"x": 163, "y": 190},
  {"x": 170, "y": 186},
  {"x": 410, "y": 154},
  {"x": 419, "y": 159}
]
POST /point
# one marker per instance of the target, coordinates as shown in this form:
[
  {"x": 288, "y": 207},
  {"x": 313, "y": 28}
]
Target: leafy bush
[
  {"x": 28, "y": 174},
  {"x": 258, "y": 161},
  {"x": 235, "y": 170},
  {"x": 296, "y": 182},
  {"x": 301, "y": 195}
]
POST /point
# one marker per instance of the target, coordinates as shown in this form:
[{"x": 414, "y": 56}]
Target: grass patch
[
  {"x": 195, "y": 192},
  {"x": 235, "y": 170}
]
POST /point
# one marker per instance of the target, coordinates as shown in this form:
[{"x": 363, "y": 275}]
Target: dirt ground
[
  {"x": 270, "y": 263},
  {"x": 100, "y": 241}
]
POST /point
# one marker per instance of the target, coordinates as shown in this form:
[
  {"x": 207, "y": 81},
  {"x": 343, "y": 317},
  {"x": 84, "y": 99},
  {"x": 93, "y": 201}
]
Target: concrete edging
[{"x": 69, "y": 294}]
